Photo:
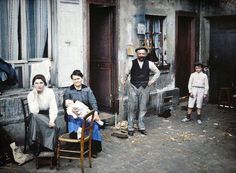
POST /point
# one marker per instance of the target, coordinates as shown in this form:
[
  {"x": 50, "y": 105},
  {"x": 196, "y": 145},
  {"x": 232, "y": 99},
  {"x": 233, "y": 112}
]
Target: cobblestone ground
[{"x": 169, "y": 147}]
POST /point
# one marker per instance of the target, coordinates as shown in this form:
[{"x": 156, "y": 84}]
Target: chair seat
[
  {"x": 46, "y": 154},
  {"x": 66, "y": 138}
]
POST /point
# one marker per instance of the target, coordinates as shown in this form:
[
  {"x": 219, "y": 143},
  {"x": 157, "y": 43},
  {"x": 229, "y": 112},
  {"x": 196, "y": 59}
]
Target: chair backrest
[
  {"x": 87, "y": 126},
  {"x": 25, "y": 108},
  {"x": 65, "y": 112}
]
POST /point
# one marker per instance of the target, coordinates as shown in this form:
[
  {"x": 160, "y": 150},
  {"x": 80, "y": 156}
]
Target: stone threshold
[{"x": 107, "y": 117}]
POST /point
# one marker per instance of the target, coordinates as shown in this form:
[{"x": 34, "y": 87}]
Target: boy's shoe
[
  {"x": 199, "y": 121},
  {"x": 185, "y": 119}
]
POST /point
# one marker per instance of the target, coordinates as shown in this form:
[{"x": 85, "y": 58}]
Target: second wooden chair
[{"x": 69, "y": 148}]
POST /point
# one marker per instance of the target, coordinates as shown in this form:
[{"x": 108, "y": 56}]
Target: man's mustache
[{"x": 141, "y": 58}]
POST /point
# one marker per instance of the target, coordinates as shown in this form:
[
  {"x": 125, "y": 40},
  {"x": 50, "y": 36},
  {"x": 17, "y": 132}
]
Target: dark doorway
[
  {"x": 103, "y": 74},
  {"x": 185, "y": 51},
  {"x": 222, "y": 54}
]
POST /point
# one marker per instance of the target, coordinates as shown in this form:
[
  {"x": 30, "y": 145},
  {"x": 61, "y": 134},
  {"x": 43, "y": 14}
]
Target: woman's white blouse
[{"x": 43, "y": 101}]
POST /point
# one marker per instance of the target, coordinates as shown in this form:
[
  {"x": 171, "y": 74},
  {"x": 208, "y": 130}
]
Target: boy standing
[{"x": 198, "y": 88}]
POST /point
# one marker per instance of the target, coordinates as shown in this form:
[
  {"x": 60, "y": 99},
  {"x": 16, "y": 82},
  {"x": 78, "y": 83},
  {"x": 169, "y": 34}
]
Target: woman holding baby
[{"x": 82, "y": 93}]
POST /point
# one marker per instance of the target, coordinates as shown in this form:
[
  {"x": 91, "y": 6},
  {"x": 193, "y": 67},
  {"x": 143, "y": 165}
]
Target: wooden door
[
  {"x": 103, "y": 79},
  {"x": 222, "y": 54},
  {"x": 185, "y": 52}
]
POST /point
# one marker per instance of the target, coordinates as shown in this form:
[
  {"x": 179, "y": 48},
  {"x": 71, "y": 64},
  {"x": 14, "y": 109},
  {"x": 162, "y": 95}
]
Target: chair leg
[
  {"x": 25, "y": 148},
  {"x": 25, "y": 141},
  {"x": 37, "y": 162},
  {"x": 90, "y": 160},
  {"x": 82, "y": 159},
  {"x": 90, "y": 155},
  {"x": 58, "y": 155},
  {"x": 51, "y": 166}
]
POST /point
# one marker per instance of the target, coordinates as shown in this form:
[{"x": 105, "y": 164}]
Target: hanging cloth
[{"x": 11, "y": 78}]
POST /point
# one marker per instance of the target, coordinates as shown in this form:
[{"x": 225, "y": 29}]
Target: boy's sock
[
  {"x": 198, "y": 116},
  {"x": 188, "y": 116}
]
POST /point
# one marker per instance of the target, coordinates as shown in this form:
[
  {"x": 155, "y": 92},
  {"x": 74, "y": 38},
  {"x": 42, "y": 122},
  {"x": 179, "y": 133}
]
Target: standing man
[{"x": 138, "y": 97}]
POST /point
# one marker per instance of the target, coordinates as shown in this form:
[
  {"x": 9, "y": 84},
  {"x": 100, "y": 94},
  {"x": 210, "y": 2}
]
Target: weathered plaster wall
[
  {"x": 187, "y": 5},
  {"x": 129, "y": 10}
]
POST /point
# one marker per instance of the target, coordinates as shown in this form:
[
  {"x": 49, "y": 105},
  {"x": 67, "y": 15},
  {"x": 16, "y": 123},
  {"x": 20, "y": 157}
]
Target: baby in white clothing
[{"x": 83, "y": 110}]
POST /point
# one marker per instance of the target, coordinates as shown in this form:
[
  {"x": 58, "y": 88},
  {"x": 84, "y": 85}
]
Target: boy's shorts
[{"x": 198, "y": 95}]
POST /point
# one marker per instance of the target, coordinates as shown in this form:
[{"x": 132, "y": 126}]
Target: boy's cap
[
  {"x": 199, "y": 64},
  {"x": 140, "y": 48}
]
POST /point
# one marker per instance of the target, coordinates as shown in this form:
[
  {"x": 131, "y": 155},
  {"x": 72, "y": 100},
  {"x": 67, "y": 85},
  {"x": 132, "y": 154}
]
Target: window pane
[
  {"x": 153, "y": 37},
  {"x": 37, "y": 28},
  {"x": 19, "y": 74},
  {"x": 9, "y": 11}
]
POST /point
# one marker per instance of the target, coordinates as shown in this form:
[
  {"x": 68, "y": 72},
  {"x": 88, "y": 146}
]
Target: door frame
[
  {"x": 114, "y": 68},
  {"x": 194, "y": 37}
]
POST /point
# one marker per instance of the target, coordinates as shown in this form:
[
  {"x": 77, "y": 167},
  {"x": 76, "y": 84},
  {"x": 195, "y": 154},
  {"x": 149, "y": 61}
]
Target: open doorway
[
  {"x": 185, "y": 50},
  {"x": 222, "y": 61},
  {"x": 103, "y": 63}
]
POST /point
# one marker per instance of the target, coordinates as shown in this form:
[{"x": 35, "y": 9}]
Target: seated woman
[
  {"x": 43, "y": 109},
  {"x": 82, "y": 93}
]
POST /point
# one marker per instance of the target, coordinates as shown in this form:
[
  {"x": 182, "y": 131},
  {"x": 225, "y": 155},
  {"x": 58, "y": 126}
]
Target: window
[
  {"x": 154, "y": 39},
  {"x": 25, "y": 34}
]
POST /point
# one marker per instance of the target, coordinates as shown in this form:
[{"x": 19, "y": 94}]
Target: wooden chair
[
  {"x": 70, "y": 148},
  {"x": 44, "y": 154},
  {"x": 25, "y": 109}
]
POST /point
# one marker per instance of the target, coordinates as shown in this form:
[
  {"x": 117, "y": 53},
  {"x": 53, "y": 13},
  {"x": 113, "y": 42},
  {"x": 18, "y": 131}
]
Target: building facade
[{"x": 98, "y": 37}]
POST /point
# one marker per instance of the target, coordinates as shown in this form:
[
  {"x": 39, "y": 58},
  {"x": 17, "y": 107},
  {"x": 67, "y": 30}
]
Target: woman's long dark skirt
[
  {"x": 96, "y": 146},
  {"x": 40, "y": 133}
]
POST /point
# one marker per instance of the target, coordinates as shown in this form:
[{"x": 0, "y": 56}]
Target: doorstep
[{"x": 107, "y": 117}]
